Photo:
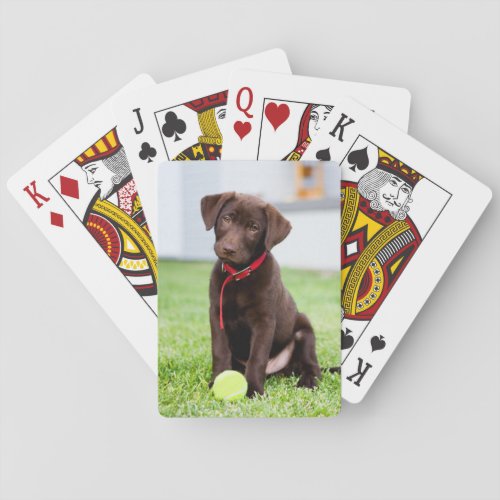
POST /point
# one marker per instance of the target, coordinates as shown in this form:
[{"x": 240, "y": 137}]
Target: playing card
[
  {"x": 273, "y": 117},
  {"x": 181, "y": 119},
  {"x": 265, "y": 236},
  {"x": 405, "y": 213},
  {"x": 81, "y": 194}
]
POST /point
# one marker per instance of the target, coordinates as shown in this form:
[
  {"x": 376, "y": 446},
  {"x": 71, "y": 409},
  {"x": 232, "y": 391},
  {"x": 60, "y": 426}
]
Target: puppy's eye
[
  {"x": 253, "y": 227},
  {"x": 226, "y": 218}
]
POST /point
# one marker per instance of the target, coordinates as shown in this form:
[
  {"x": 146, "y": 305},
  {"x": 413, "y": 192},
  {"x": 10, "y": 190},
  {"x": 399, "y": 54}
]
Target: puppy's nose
[{"x": 228, "y": 250}]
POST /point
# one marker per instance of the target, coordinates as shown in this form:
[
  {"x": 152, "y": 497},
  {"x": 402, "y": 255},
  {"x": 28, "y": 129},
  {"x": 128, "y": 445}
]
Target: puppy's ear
[
  {"x": 211, "y": 205},
  {"x": 277, "y": 227}
]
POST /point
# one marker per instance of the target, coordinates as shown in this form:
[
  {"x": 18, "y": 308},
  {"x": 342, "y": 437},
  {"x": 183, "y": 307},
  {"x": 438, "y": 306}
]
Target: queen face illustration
[{"x": 319, "y": 114}]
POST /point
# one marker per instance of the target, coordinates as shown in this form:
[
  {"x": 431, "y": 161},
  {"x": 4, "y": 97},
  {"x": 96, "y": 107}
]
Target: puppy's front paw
[
  {"x": 212, "y": 379},
  {"x": 254, "y": 389},
  {"x": 308, "y": 380}
]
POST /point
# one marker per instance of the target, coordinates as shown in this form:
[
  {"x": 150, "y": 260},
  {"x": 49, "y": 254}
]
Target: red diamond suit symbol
[
  {"x": 69, "y": 187},
  {"x": 56, "y": 219}
]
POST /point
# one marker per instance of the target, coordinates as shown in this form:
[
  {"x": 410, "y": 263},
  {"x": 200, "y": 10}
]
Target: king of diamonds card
[{"x": 99, "y": 189}]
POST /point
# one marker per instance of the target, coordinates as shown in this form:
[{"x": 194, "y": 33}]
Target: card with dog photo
[
  {"x": 249, "y": 289},
  {"x": 405, "y": 213},
  {"x": 276, "y": 116},
  {"x": 181, "y": 119}
]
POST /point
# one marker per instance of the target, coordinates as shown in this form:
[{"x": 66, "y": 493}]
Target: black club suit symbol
[
  {"x": 173, "y": 126},
  {"x": 147, "y": 152}
]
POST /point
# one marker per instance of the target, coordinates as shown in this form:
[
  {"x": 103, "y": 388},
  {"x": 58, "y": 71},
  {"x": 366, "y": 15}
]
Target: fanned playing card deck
[
  {"x": 182, "y": 119},
  {"x": 402, "y": 213}
]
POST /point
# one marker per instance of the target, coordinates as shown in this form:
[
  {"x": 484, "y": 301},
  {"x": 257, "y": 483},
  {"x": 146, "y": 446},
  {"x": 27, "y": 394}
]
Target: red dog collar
[{"x": 235, "y": 275}]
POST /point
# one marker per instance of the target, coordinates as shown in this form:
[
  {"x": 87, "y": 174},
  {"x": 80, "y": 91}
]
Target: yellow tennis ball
[{"x": 230, "y": 385}]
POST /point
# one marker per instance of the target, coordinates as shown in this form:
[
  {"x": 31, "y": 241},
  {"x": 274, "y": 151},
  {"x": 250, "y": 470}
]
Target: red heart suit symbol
[
  {"x": 277, "y": 115},
  {"x": 242, "y": 128}
]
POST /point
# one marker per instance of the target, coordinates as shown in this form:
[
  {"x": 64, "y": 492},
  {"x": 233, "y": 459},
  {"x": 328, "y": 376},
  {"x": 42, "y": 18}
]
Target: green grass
[{"x": 184, "y": 368}]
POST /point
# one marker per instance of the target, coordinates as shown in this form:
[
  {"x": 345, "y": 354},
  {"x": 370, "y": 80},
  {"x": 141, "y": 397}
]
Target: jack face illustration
[
  {"x": 178, "y": 127},
  {"x": 211, "y": 111},
  {"x": 220, "y": 114}
]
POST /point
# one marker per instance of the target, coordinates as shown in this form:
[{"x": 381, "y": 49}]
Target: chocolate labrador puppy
[{"x": 256, "y": 328}]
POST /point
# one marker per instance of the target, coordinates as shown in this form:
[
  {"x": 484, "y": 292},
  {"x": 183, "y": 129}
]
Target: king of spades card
[{"x": 378, "y": 236}]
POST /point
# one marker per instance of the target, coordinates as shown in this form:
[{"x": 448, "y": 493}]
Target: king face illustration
[
  {"x": 211, "y": 110},
  {"x": 107, "y": 173},
  {"x": 387, "y": 189},
  {"x": 114, "y": 216},
  {"x": 312, "y": 118},
  {"x": 378, "y": 236}
]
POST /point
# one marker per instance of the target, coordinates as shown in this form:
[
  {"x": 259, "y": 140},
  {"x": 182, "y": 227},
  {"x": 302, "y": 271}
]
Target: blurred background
[{"x": 306, "y": 193}]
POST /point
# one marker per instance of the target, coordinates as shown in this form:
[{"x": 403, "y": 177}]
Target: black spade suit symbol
[
  {"x": 173, "y": 126},
  {"x": 346, "y": 340},
  {"x": 358, "y": 159},
  {"x": 147, "y": 152},
  {"x": 377, "y": 343},
  {"x": 323, "y": 154}
]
